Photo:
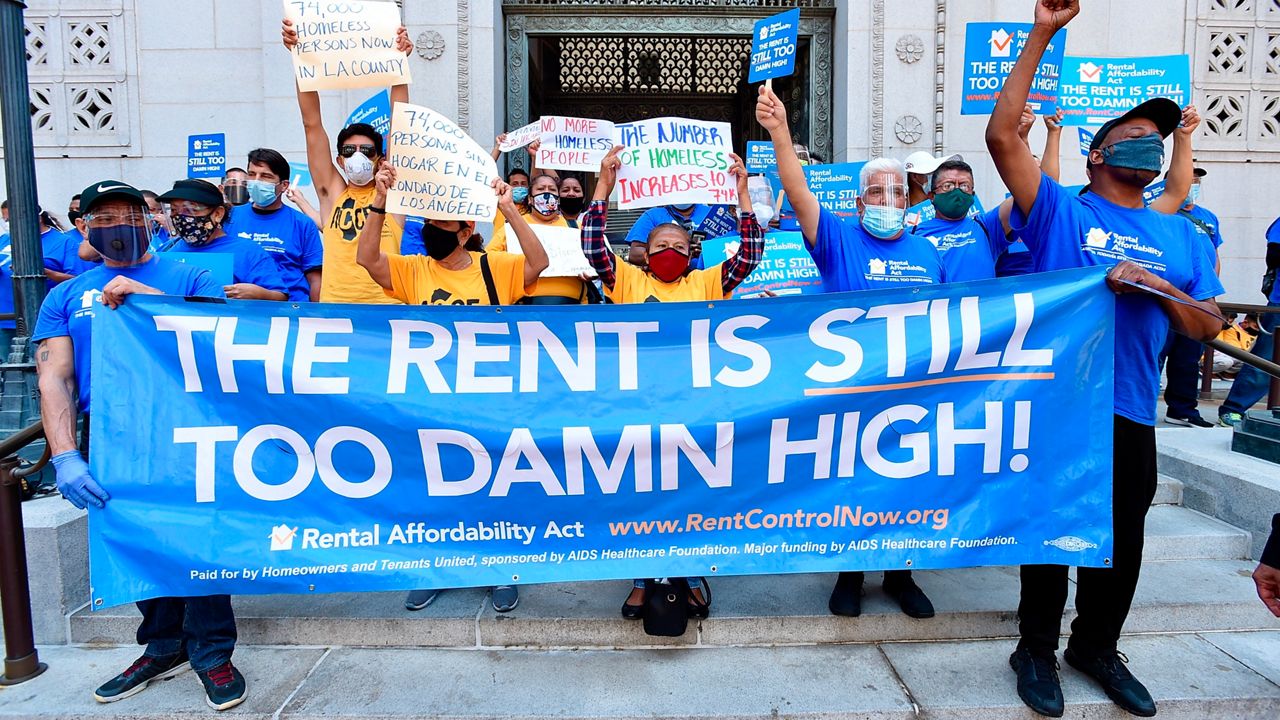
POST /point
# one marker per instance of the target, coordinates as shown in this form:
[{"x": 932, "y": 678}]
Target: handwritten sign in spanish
[
  {"x": 564, "y": 250},
  {"x": 441, "y": 173},
  {"x": 345, "y": 45},
  {"x": 674, "y": 161},
  {"x": 521, "y": 137},
  {"x": 569, "y": 143}
]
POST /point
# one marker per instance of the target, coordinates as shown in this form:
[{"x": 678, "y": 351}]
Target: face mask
[
  {"x": 236, "y": 194},
  {"x": 519, "y": 194},
  {"x": 120, "y": 243},
  {"x": 668, "y": 265},
  {"x": 682, "y": 208},
  {"x": 546, "y": 203},
  {"x": 883, "y": 222},
  {"x": 1144, "y": 153},
  {"x": 440, "y": 243},
  {"x": 359, "y": 169},
  {"x": 572, "y": 205},
  {"x": 72, "y": 215},
  {"x": 764, "y": 213},
  {"x": 953, "y": 203},
  {"x": 1193, "y": 196},
  {"x": 195, "y": 229},
  {"x": 262, "y": 193}
]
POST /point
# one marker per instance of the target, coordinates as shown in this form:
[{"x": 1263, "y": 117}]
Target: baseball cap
[
  {"x": 199, "y": 191},
  {"x": 1164, "y": 112},
  {"x": 107, "y": 189},
  {"x": 922, "y": 163}
]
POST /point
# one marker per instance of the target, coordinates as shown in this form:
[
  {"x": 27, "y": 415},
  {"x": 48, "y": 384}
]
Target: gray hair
[{"x": 879, "y": 166}]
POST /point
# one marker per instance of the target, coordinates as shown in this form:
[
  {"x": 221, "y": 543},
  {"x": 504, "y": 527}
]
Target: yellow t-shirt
[
  {"x": 422, "y": 280},
  {"x": 569, "y": 287},
  {"x": 344, "y": 280},
  {"x": 633, "y": 285}
]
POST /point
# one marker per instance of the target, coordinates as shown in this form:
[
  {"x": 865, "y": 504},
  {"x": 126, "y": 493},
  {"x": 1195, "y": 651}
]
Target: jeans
[
  {"x": 206, "y": 624},
  {"x": 1251, "y": 384},
  {"x": 1181, "y": 358},
  {"x": 1103, "y": 595}
]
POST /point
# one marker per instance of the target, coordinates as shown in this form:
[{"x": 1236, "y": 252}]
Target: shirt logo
[
  {"x": 876, "y": 266},
  {"x": 1090, "y": 73},
  {"x": 1097, "y": 238},
  {"x": 1001, "y": 43}
]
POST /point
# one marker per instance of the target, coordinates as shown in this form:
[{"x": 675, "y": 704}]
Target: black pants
[{"x": 1103, "y": 595}]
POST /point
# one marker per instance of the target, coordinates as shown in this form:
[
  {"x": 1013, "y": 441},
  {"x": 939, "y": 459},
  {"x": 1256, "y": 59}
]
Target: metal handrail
[
  {"x": 1248, "y": 358},
  {"x": 21, "y": 660}
]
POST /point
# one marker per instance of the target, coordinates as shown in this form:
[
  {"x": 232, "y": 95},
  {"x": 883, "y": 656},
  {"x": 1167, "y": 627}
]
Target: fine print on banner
[
  {"x": 570, "y": 143},
  {"x": 346, "y": 45},
  {"x": 990, "y": 51},
  {"x": 674, "y": 161},
  {"x": 563, "y": 246},
  {"x": 1095, "y": 90},
  {"x": 489, "y": 445},
  {"x": 441, "y": 173},
  {"x": 520, "y": 137}
]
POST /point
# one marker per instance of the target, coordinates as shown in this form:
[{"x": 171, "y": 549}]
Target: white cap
[{"x": 922, "y": 163}]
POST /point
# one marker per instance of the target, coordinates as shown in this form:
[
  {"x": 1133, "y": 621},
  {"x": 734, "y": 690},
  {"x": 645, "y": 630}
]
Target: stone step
[
  {"x": 1173, "y": 596},
  {"x": 1178, "y": 533},
  {"x": 1232, "y": 675},
  {"x": 1168, "y": 491}
]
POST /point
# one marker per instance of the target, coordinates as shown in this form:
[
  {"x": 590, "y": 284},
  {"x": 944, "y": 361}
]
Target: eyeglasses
[
  {"x": 947, "y": 186},
  {"x": 368, "y": 151},
  {"x": 186, "y": 207},
  {"x": 136, "y": 218}
]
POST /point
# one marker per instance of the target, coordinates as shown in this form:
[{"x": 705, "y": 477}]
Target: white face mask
[
  {"x": 764, "y": 213},
  {"x": 359, "y": 169}
]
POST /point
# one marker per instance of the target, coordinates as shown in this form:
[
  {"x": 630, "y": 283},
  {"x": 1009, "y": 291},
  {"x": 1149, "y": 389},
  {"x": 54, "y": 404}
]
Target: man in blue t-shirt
[
  {"x": 179, "y": 633},
  {"x": 874, "y": 252},
  {"x": 1251, "y": 384},
  {"x": 199, "y": 216},
  {"x": 288, "y": 236},
  {"x": 700, "y": 221},
  {"x": 1106, "y": 226},
  {"x": 969, "y": 245}
]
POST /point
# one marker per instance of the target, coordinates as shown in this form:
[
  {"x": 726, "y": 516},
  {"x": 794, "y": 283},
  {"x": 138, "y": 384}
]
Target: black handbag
[{"x": 666, "y": 607}]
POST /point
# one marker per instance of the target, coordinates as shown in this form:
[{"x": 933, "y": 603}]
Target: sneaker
[
  {"x": 138, "y": 675},
  {"x": 1193, "y": 421},
  {"x": 846, "y": 596},
  {"x": 223, "y": 686},
  {"x": 418, "y": 599},
  {"x": 1120, "y": 685},
  {"x": 1230, "y": 419},
  {"x": 1038, "y": 683},
  {"x": 505, "y": 598},
  {"x": 910, "y": 597}
]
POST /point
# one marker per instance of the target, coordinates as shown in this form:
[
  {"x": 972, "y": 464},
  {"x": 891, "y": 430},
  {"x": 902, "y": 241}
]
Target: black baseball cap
[
  {"x": 200, "y": 191},
  {"x": 1164, "y": 112},
  {"x": 108, "y": 189}
]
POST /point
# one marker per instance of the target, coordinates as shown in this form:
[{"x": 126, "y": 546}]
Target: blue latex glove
[{"x": 75, "y": 483}]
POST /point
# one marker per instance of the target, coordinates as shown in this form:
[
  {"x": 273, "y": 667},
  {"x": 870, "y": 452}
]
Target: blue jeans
[
  {"x": 1181, "y": 357},
  {"x": 206, "y": 624},
  {"x": 1251, "y": 384}
]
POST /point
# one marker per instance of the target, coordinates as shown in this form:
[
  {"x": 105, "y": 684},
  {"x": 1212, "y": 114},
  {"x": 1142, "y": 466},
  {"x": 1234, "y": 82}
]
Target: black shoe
[
  {"x": 1189, "y": 421},
  {"x": 846, "y": 596},
  {"x": 1120, "y": 685},
  {"x": 223, "y": 686},
  {"x": 138, "y": 675},
  {"x": 910, "y": 597},
  {"x": 1038, "y": 683},
  {"x": 418, "y": 599}
]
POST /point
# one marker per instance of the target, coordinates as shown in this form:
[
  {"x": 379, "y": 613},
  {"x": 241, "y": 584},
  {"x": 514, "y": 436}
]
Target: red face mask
[{"x": 668, "y": 265}]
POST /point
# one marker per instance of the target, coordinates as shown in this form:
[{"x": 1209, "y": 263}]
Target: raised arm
[
  {"x": 737, "y": 268},
  {"x": 1051, "y": 160},
  {"x": 369, "y": 250},
  {"x": 329, "y": 183},
  {"x": 594, "y": 243},
  {"x": 535, "y": 256},
  {"x": 772, "y": 116},
  {"x": 1013, "y": 159},
  {"x": 1182, "y": 167}
]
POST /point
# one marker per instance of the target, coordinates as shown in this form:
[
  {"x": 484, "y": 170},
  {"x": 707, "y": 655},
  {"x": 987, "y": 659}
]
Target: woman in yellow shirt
[{"x": 543, "y": 208}]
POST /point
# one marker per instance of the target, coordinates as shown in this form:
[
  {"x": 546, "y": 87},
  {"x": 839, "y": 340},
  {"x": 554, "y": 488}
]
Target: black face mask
[
  {"x": 440, "y": 243},
  {"x": 571, "y": 205}
]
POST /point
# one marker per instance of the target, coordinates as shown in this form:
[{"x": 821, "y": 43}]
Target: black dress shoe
[
  {"x": 910, "y": 597},
  {"x": 1121, "y": 686},
  {"x": 1038, "y": 683},
  {"x": 846, "y": 596}
]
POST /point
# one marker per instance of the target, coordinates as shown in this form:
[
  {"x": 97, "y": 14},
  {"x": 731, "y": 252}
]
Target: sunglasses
[{"x": 368, "y": 151}]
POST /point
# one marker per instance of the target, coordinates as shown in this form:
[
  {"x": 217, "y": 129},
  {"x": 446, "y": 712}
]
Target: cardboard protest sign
[
  {"x": 564, "y": 250},
  {"x": 441, "y": 173},
  {"x": 569, "y": 143},
  {"x": 773, "y": 46},
  {"x": 786, "y": 268},
  {"x": 207, "y": 155},
  {"x": 375, "y": 111},
  {"x": 346, "y": 45},
  {"x": 990, "y": 51},
  {"x": 523, "y": 136},
  {"x": 760, "y": 156},
  {"x": 1094, "y": 89},
  {"x": 835, "y": 186},
  {"x": 673, "y": 161}
]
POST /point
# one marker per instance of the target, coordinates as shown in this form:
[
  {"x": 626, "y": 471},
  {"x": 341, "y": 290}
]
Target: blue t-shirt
[
  {"x": 1273, "y": 236},
  {"x": 6, "y": 285},
  {"x": 61, "y": 252},
  {"x": 411, "y": 240},
  {"x": 289, "y": 237},
  {"x": 1211, "y": 229},
  {"x": 1065, "y": 230},
  {"x": 1015, "y": 260},
  {"x": 710, "y": 219},
  {"x": 850, "y": 258},
  {"x": 252, "y": 264},
  {"x": 969, "y": 247},
  {"x": 68, "y": 308}
]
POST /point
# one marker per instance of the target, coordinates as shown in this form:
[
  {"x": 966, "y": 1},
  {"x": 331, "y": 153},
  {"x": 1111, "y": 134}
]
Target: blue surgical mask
[
  {"x": 519, "y": 194},
  {"x": 262, "y": 193},
  {"x": 883, "y": 222},
  {"x": 1143, "y": 153},
  {"x": 1193, "y": 196}
]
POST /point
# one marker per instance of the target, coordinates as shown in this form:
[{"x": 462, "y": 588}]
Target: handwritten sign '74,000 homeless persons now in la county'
[{"x": 346, "y": 45}]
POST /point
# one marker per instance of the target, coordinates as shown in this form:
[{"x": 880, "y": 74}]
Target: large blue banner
[
  {"x": 257, "y": 447},
  {"x": 1095, "y": 90}
]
